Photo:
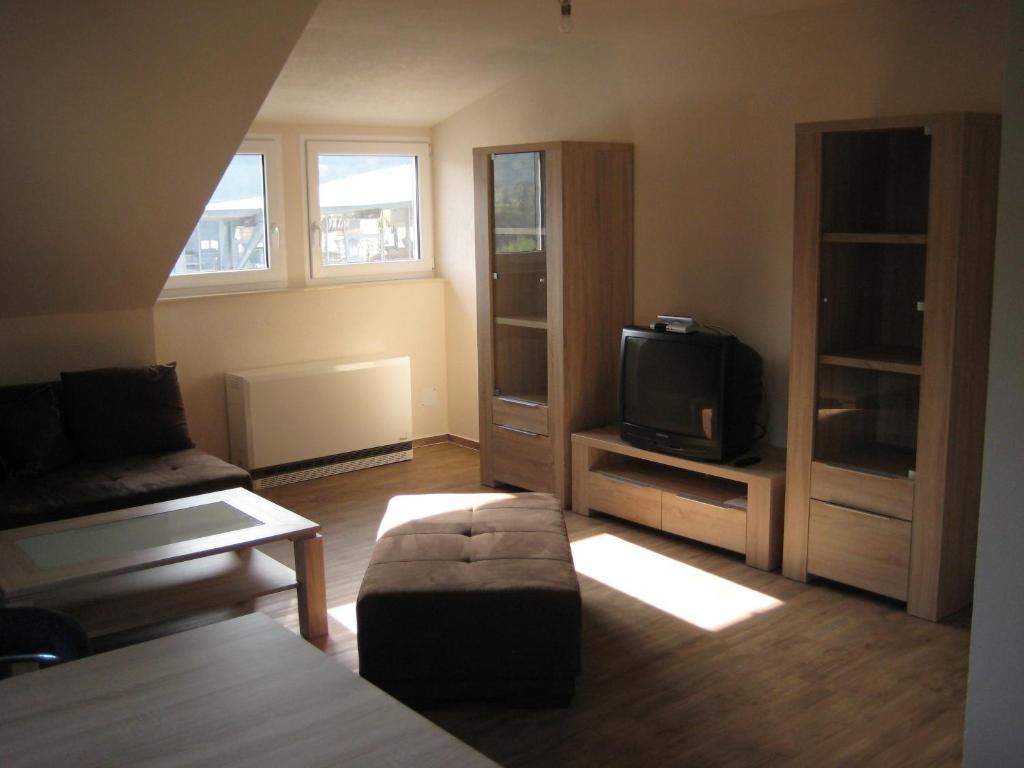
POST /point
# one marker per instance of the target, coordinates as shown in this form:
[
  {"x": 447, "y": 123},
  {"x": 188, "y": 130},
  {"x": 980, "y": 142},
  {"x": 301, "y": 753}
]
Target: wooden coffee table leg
[{"x": 312, "y": 587}]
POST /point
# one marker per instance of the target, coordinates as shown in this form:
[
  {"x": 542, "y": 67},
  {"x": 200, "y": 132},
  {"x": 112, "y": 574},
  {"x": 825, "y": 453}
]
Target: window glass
[
  {"x": 368, "y": 210},
  {"x": 238, "y": 243},
  {"x": 518, "y": 202},
  {"x": 232, "y": 233}
]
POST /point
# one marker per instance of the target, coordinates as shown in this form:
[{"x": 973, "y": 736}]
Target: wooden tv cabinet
[{"x": 735, "y": 508}]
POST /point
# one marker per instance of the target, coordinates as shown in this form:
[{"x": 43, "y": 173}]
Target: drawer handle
[
  {"x": 867, "y": 471},
  {"x": 700, "y": 500},
  {"x": 525, "y": 403},
  {"x": 518, "y": 431},
  {"x": 843, "y": 508}
]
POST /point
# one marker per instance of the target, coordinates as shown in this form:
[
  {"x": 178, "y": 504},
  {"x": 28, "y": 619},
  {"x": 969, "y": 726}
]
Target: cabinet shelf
[
  {"x": 736, "y": 508},
  {"x": 875, "y": 459},
  {"x": 525, "y": 261},
  {"x": 539, "y": 323},
  {"x": 892, "y": 267},
  {"x": 523, "y": 398},
  {"x": 549, "y": 316},
  {"x": 875, "y": 238},
  {"x": 891, "y": 362}
]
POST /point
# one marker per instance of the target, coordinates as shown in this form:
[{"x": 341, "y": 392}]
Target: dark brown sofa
[
  {"x": 471, "y": 596},
  {"x": 97, "y": 441}
]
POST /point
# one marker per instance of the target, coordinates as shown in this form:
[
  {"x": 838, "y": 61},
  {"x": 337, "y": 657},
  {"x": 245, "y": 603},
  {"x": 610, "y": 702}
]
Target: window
[
  {"x": 369, "y": 209},
  {"x": 237, "y": 243}
]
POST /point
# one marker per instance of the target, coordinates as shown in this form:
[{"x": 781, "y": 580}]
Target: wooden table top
[
  {"x": 21, "y": 576},
  {"x": 245, "y": 692}
]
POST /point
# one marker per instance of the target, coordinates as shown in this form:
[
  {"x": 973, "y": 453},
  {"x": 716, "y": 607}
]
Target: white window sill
[{"x": 327, "y": 286}]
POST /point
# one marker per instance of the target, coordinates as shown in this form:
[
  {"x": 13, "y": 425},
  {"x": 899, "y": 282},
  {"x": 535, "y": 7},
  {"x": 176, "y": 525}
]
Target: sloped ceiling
[
  {"x": 117, "y": 120},
  {"x": 416, "y": 63}
]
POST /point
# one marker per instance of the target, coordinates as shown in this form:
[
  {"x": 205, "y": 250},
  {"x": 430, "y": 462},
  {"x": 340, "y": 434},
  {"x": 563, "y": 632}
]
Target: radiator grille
[{"x": 296, "y": 472}]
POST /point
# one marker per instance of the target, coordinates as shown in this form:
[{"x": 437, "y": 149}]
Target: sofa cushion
[
  {"x": 86, "y": 487},
  {"x": 32, "y": 438},
  {"x": 115, "y": 412}
]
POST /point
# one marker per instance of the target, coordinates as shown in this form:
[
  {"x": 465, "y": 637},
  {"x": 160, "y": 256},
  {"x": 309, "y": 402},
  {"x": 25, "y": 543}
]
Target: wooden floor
[{"x": 828, "y": 677}]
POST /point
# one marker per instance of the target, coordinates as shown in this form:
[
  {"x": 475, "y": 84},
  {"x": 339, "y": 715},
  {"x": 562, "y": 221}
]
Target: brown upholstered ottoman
[{"x": 471, "y": 596}]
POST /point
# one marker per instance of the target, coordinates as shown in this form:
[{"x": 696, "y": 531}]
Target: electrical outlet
[{"x": 428, "y": 396}]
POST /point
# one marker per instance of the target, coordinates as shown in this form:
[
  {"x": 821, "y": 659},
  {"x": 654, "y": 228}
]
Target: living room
[{"x": 707, "y": 93}]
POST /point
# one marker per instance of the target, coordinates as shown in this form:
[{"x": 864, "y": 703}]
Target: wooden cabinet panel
[
  {"x": 554, "y": 256},
  {"x": 893, "y": 496},
  {"x": 724, "y": 527},
  {"x": 858, "y": 548},
  {"x": 523, "y": 459},
  {"x": 624, "y": 498},
  {"x": 532, "y": 417},
  {"x": 892, "y": 269}
]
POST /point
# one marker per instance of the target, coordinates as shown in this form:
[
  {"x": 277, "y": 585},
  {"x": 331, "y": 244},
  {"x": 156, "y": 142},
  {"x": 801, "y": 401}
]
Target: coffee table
[
  {"x": 157, "y": 563},
  {"x": 244, "y": 692}
]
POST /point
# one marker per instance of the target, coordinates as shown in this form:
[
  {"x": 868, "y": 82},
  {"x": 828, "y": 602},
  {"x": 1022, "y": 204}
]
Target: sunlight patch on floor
[
  {"x": 688, "y": 593},
  {"x": 345, "y": 615}
]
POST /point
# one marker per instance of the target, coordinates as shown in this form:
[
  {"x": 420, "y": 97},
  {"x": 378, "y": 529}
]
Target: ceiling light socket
[{"x": 565, "y": 24}]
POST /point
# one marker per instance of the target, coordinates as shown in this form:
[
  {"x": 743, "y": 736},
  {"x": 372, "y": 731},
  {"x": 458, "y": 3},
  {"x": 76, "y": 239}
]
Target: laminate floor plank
[{"x": 815, "y": 675}]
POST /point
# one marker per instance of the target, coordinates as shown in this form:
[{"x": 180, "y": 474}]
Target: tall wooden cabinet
[
  {"x": 554, "y": 244},
  {"x": 892, "y": 277}
]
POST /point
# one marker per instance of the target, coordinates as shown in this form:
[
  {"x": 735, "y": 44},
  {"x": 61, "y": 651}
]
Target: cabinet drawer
[
  {"x": 724, "y": 527},
  {"x": 624, "y": 498},
  {"x": 892, "y": 496},
  {"x": 858, "y": 548},
  {"x": 522, "y": 458},
  {"x": 519, "y": 414}
]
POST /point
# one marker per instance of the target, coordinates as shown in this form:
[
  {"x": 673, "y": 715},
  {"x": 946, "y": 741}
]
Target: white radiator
[{"x": 296, "y": 422}]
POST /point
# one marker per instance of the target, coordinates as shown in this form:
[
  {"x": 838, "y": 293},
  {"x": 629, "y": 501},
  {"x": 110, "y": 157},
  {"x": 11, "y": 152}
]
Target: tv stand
[{"x": 735, "y": 508}]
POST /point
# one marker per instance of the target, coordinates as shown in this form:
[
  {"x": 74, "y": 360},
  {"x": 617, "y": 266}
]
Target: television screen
[{"x": 671, "y": 387}]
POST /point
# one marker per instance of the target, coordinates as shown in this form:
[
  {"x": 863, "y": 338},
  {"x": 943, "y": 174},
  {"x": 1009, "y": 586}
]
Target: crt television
[{"x": 694, "y": 395}]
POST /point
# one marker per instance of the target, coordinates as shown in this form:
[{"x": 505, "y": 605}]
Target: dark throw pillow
[
  {"x": 32, "y": 438},
  {"x": 115, "y": 412}
]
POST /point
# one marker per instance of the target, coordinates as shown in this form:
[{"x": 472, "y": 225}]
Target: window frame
[
  {"x": 275, "y": 276},
  {"x": 319, "y": 274}
]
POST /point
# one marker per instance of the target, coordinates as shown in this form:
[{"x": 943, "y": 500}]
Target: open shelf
[
  {"x": 681, "y": 482},
  {"x": 540, "y": 323},
  {"x": 171, "y": 592}
]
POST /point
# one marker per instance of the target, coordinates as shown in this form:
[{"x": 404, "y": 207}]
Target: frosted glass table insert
[{"x": 51, "y": 550}]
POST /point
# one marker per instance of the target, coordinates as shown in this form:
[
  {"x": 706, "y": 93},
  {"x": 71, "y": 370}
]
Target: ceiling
[{"x": 416, "y": 62}]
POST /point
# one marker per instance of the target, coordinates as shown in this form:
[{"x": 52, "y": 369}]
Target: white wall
[
  {"x": 118, "y": 117},
  {"x": 710, "y": 110},
  {"x": 210, "y": 336},
  {"x": 39, "y": 348},
  {"x": 995, "y": 691}
]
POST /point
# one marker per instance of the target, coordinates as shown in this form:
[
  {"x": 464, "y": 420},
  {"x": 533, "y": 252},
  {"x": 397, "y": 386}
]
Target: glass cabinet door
[
  {"x": 871, "y": 298},
  {"x": 519, "y": 276}
]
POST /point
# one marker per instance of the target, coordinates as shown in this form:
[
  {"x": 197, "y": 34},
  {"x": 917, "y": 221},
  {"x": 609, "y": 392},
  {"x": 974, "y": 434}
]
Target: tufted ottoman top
[
  {"x": 488, "y": 541},
  {"x": 469, "y": 587}
]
